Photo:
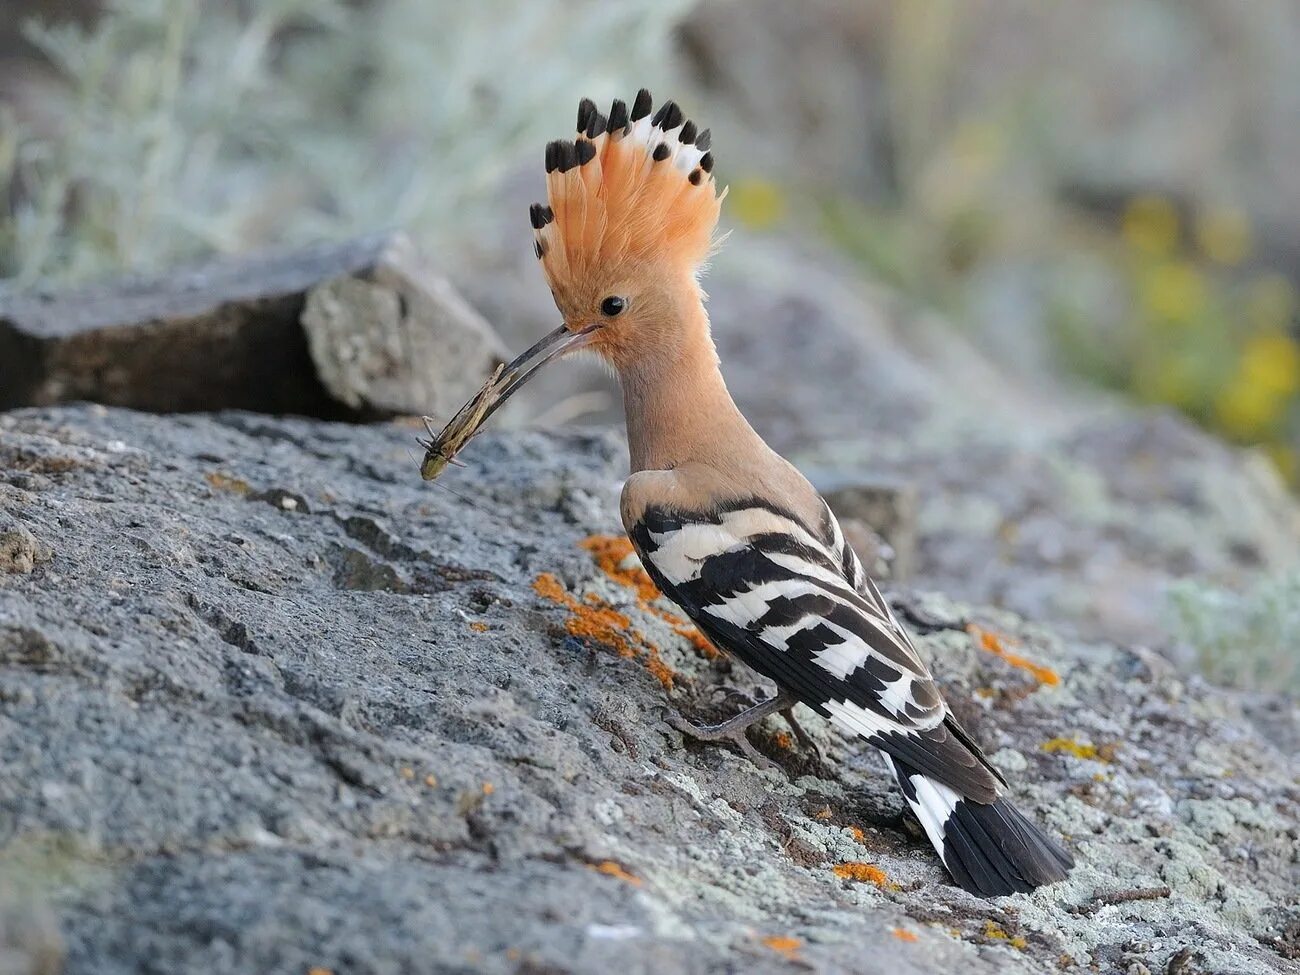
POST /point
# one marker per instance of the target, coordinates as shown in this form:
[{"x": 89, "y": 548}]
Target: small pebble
[{"x": 20, "y": 550}]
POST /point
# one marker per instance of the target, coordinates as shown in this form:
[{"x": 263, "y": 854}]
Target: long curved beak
[{"x": 526, "y": 365}]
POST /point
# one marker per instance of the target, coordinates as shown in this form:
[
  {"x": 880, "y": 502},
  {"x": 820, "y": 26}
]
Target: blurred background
[
  {"x": 1012, "y": 208},
  {"x": 1103, "y": 192}
]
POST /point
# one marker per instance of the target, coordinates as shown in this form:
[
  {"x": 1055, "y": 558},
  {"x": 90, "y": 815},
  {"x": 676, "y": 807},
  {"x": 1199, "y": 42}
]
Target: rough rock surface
[{"x": 275, "y": 705}]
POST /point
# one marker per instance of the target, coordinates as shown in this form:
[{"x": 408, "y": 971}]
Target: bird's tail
[{"x": 990, "y": 849}]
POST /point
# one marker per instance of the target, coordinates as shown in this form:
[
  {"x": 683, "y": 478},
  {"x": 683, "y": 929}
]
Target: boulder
[
  {"x": 276, "y": 704},
  {"x": 362, "y": 329}
]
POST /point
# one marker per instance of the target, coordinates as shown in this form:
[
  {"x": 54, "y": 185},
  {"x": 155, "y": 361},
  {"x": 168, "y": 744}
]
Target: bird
[{"x": 726, "y": 528}]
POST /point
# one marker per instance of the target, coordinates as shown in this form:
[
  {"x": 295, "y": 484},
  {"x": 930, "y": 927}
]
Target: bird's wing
[{"x": 794, "y": 604}]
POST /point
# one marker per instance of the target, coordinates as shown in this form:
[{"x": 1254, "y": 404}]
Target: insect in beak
[{"x": 441, "y": 448}]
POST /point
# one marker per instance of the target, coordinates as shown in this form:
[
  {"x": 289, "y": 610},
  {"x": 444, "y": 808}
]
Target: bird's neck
[{"x": 678, "y": 407}]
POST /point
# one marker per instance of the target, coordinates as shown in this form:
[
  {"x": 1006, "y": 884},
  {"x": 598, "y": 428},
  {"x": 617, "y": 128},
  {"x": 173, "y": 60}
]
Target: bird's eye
[{"x": 613, "y": 305}]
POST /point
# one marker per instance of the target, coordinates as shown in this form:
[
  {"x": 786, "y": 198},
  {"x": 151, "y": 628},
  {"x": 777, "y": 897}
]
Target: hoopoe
[{"x": 729, "y": 530}]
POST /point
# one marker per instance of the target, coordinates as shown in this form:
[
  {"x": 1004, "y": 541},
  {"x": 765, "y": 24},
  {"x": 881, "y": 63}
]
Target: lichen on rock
[{"x": 442, "y": 771}]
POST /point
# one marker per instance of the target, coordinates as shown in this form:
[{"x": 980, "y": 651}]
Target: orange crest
[{"x": 629, "y": 186}]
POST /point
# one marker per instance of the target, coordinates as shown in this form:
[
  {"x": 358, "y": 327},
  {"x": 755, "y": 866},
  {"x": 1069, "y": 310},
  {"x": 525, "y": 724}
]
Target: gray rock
[
  {"x": 364, "y": 328},
  {"x": 399, "y": 339},
  {"x": 886, "y": 508},
  {"x": 1088, "y": 522},
  {"x": 20, "y": 550},
  {"x": 357, "y": 732}
]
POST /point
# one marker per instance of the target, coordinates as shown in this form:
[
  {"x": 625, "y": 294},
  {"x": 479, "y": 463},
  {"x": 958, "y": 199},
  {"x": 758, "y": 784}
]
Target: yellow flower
[
  {"x": 1173, "y": 291},
  {"x": 1150, "y": 225},
  {"x": 1247, "y": 410},
  {"x": 1224, "y": 235},
  {"x": 757, "y": 203},
  {"x": 1272, "y": 360}
]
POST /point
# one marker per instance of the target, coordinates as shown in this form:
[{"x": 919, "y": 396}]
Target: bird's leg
[{"x": 733, "y": 729}]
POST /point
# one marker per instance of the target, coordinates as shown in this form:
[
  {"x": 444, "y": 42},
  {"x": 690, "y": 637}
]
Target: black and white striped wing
[{"x": 793, "y": 603}]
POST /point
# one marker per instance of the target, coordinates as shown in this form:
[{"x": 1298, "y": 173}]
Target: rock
[
  {"x": 392, "y": 727},
  {"x": 20, "y": 551},
  {"x": 1088, "y": 522},
  {"x": 400, "y": 339},
  {"x": 884, "y": 507},
  {"x": 361, "y": 329}
]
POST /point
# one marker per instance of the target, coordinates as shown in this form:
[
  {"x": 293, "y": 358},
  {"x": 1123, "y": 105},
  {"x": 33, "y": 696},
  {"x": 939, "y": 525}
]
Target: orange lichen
[
  {"x": 488, "y": 788},
  {"x": 612, "y": 553},
  {"x": 611, "y": 869},
  {"x": 997, "y": 645},
  {"x": 683, "y": 629},
  {"x": 318, "y": 970},
  {"x": 479, "y": 627},
  {"x": 549, "y": 587},
  {"x": 902, "y": 934},
  {"x": 591, "y": 618},
  {"x": 661, "y": 671},
  {"x": 784, "y": 740},
  {"x": 406, "y": 772},
  {"x": 857, "y": 834},
  {"x": 994, "y": 932},
  {"x": 602, "y": 624},
  {"x": 861, "y": 872},
  {"x": 783, "y": 945},
  {"x": 431, "y": 781}
]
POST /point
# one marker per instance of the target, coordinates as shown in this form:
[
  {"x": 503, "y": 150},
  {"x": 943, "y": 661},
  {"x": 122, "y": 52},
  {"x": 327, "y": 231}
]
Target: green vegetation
[
  {"x": 1199, "y": 332},
  {"x": 186, "y": 128},
  {"x": 1245, "y": 639}
]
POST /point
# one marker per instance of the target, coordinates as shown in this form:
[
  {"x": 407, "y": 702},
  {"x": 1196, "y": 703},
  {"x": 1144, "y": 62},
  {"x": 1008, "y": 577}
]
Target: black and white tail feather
[
  {"x": 793, "y": 602},
  {"x": 990, "y": 849}
]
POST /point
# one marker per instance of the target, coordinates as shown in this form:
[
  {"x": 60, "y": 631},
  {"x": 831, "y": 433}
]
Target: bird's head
[{"x": 629, "y": 221}]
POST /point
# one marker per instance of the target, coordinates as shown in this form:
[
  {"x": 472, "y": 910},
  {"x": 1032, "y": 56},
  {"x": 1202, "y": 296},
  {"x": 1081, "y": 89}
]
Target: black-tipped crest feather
[
  {"x": 586, "y": 109},
  {"x": 617, "y": 116},
  {"x": 641, "y": 105}
]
